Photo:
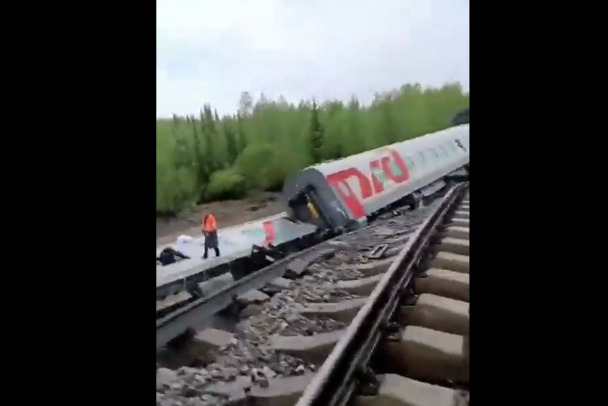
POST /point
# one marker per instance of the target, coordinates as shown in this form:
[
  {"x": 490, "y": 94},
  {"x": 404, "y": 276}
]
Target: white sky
[{"x": 209, "y": 51}]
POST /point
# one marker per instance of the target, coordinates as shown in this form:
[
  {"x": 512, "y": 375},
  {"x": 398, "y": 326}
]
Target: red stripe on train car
[{"x": 269, "y": 230}]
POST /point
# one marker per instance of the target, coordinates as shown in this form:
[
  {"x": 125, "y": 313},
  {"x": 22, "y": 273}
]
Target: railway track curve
[{"x": 315, "y": 335}]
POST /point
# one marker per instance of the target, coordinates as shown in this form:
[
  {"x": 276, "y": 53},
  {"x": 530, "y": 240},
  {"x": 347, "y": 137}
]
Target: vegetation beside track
[{"x": 208, "y": 158}]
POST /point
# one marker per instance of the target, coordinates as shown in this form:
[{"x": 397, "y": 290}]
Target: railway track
[{"x": 344, "y": 324}]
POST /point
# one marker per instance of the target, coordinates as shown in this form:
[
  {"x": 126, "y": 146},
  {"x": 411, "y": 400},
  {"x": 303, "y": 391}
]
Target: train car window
[
  {"x": 410, "y": 163},
  {"x": 421, "y": 158}
]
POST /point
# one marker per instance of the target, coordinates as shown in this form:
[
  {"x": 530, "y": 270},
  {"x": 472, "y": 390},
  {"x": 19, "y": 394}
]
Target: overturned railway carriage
[
  {"x": 329, "y": 197},
  {"x": 338, "y": 193}
]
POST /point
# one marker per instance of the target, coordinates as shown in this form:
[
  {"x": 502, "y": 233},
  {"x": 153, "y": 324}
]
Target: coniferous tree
[
  {"x": 202, "y": 170},
  {"x": 245, "y": 105},
  {"x": 257, "y": 148},
  {"x": 231, "y": 142},
  {"x": 242, "y": 139},
  {"x": 316, "y": 135}
]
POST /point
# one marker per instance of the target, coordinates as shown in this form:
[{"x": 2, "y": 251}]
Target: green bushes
[
  {"x": 226, "y": 184},
  {"x": 208, "y": 158}
]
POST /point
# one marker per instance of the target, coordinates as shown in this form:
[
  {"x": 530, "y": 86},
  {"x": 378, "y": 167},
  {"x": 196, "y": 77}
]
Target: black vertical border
[
  {"x": 527, "y": 188},
  {"x": 81, "y": 304}
]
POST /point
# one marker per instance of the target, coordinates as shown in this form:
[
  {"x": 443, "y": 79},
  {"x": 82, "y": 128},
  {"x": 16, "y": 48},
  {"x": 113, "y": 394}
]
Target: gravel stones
[
  {"x": 164, "y": 378},
  {"x": 303, "y": 326},
  {"x": 250, "y": 310},
  {"x": 246, "y": 360}
]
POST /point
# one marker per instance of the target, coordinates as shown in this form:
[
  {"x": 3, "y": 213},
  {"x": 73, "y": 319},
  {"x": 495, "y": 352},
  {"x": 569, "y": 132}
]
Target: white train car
[
  {"x": 235, "y": 243},
  {"x": 335, "y": 193}
]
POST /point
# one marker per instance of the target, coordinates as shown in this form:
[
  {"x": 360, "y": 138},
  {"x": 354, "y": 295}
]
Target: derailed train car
[
  {"x": 329, "y": 197},
  {"x": 337, "y": 193}
]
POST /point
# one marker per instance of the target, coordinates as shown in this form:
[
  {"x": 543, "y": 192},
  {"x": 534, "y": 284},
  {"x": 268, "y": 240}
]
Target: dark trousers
[
  {"x": 217, "y": 252},
  {"x": 211, "y": 242}
]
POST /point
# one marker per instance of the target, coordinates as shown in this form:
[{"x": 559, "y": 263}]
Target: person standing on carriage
[{"x": 210, "y": 233}]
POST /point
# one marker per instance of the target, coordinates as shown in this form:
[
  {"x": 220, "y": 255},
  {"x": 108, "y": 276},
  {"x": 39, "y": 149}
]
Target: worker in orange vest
[{"x": 210, "y": 233}]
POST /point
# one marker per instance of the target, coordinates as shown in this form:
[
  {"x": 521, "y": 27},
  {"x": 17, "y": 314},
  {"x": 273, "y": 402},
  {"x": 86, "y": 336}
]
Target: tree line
[{"x": 207, "y": 158}]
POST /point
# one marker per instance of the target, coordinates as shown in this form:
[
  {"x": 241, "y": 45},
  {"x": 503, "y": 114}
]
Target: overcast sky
[{"x": 209, "y": 51}]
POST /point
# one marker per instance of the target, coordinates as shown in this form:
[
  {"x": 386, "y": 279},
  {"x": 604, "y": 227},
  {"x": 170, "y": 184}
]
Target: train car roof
[{"x": 327, "y": 166}]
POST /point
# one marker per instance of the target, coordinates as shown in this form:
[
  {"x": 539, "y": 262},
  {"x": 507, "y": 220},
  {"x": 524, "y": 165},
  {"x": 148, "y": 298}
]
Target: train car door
[{"x": 306, "y": 208}]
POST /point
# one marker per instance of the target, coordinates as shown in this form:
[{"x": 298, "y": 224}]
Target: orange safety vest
[{"x": 209, "y": 223}]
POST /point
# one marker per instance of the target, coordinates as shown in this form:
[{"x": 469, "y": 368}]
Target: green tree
[
  {"x": 207, "y": 158},
  {"x": 231, "y": 142},
  {"x": 315, "y": 134}
]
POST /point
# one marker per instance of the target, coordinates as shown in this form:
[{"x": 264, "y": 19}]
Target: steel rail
[
  {"x": 196, "y": 313},
  {"x": 335, "y": 382}
]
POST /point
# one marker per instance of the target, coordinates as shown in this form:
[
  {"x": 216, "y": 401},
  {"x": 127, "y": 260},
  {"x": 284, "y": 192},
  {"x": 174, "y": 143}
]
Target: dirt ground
[{"x": 228, "y": 213}]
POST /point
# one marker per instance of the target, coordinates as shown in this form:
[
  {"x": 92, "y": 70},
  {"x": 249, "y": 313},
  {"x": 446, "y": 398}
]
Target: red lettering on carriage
[
  {"x": 350, "y": 199},
  {"x": 367, "y": 187},
  {"x": 269, "y": 231},
  {"x": 378, "y": 185}
]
